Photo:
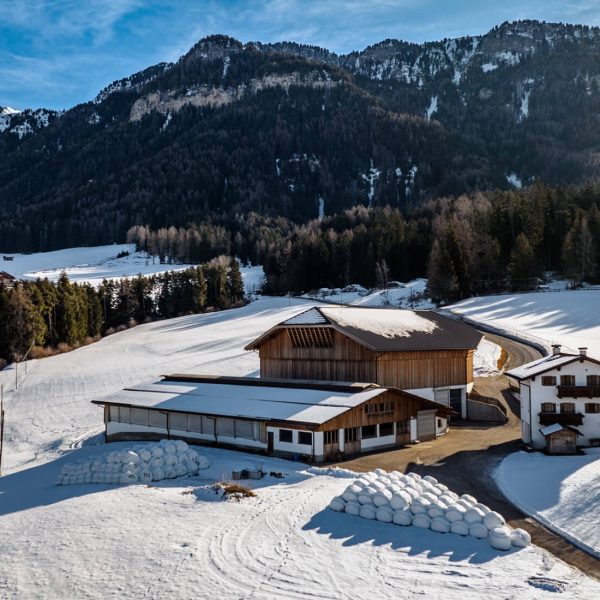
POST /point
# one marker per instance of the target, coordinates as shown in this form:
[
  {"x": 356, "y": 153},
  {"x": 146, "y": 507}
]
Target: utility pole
[{"x": 1, "y": 423}]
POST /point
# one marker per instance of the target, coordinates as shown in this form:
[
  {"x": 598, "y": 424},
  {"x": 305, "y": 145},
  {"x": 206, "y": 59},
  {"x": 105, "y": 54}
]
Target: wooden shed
[
  {"x": 560, "y": 439},
  {"x": 421, "y": 351},
  {"x": 315, "y": 420}
]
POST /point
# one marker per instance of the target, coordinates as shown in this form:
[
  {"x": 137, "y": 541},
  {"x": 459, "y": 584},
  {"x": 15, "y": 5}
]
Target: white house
[{"x": 560, "y": 396}]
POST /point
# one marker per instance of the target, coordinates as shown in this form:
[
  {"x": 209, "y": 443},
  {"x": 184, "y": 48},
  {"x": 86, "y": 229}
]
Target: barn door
[
  {"x": 331, "y": 444},
  {"x": 403, "y": 433},
  {"x": 270, "y": 442},
  {"x": 352, "y": 437},
  {"x": 426, "y": 425}
]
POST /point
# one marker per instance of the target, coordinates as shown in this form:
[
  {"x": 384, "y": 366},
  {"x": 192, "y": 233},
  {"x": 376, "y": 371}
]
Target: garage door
[{"x": 426, "y": 425}]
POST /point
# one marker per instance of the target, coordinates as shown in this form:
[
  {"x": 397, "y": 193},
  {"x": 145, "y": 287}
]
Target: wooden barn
[
  {"x": 312, "y": 420},
  {"x": 7, "y": 279},
  {"x": 421, "y": 351}
]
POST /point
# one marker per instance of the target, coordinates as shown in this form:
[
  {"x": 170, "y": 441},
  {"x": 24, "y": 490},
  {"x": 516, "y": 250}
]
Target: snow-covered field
[
  {"x": 406, "y": 295},
  {"x": 93, "y": 264},
  {"x": 178, "y": 540},
  {"x": 569, "y": 318},
  {"x": 563, "y": 492}
]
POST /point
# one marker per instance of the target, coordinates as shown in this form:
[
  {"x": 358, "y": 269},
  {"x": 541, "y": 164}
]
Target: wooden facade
[{"x": 347, "y": 360}]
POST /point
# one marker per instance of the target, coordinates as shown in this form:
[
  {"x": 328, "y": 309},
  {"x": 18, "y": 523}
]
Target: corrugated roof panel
[
  {"x": 308, "y": 317},
  {"x": 541, "y": 365}
]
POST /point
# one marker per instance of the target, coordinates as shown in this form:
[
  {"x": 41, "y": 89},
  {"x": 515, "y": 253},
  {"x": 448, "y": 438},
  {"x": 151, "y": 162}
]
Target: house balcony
[
  {"x": 578, "y": 391},
  {"x": 560, "y": 418}
]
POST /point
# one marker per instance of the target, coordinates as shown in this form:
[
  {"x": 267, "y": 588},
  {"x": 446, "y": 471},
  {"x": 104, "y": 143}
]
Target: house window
[
  {"x": 386, "y": 429},
  {"x": 311, "y": 337},
  {"x": 567, "y": 408},
  {"x": 305, "y": 438},
  {"x": 403, "y": 427},
  {"x": 567, "y": 380},
  {"x": 351, "y": 435},
  {"x": 593, "y": 380},
  {"x": 548, "y": 407},
  {"x": 592, "y": 407},
  {"x": 285, "y": 435},
  {"x": 332, "y": 437},
  {"x": 369, "y": 431},
  {"x": 548, "y": 380}
]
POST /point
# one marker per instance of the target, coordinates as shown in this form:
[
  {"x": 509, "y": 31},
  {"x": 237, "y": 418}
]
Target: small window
[
  {"x": 567, "y": 380},
  {"x": 124, "y": 414},
  {"x": 548, "y": 380},
  {"x": 548, "y": 407},
  {"x": 351, "y": 434},
  {"x": 305, "y": 438},
  {"x": 113, "y": 413},
  {"x": 285, "y": 435},
  {"x": 592, "y": 407},
  {"x": 332, "y": 437},
  {"x": 567, "y": 408},
  {"x": 178, "y": 421},
  {"x": 225, "y": 427},
  {"x": 593, "y": 380},
  {"x": 386, "y": 429},
  {"x": 195, "y": 423},
  {"x": 369, "y": 431},
  {"x": 139, "y": 416},
  {"x": 403, "y": 427},
  {"x": 244, "y": 429},
  {"x": 157, "y": 418}
]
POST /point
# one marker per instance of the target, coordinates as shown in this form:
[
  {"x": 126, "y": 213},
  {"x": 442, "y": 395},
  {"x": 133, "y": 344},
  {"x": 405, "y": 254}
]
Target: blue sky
[{"x": 57, "y": 53}]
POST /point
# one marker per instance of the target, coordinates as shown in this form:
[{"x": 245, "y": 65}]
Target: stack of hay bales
[
  {"x": 424, "y": 502},
  {"x": 142, "y": 463}
]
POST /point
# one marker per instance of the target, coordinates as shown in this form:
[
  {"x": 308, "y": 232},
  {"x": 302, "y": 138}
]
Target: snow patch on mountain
[
  {"x": 514, "y": 180},
  {"x": 371, "y": 177},
  {"x": 432, "y": 108}
]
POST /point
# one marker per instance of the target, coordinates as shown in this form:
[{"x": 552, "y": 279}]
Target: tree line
[{"x": 42, "y": 315}]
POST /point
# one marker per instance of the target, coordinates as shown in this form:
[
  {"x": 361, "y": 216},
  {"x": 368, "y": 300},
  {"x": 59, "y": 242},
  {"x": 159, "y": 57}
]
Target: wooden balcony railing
[
  {"x": 578, "y": 391},
  {"x": 560, "y": 418}
]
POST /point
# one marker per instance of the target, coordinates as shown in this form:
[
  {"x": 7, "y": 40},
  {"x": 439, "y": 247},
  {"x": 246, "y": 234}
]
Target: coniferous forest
[{"x": 44, "y": 317}]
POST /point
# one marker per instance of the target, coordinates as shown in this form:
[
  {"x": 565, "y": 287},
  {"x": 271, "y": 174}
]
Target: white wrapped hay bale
[
  {"x": 382, "y": 498},
  {"x": 482, "y": 507},
  {"x": 145, "y": 455},
  {"x": 414, "y": 476},
  {"x": 429, "y": 496},
  {"x": 181, "y": 470},
  {"x": 379, "y": 472},
  {"x": 400, "y": 500},
  {"x": 202, "y": 462},
  {"x": 181, "y": 446},
  {"x": 469, "y": 499},
  {"x": 367, "y": 495},
  {"x": 456, "y": 513},
  {"x": 158, "y": 474},
  {"x": 337, "y": 504},
  {"x": 170, "y": 473},
  {"x": 414, "y": 494},
  {"x": 419, "y": 506},
  {"x": 437, "y": 509},
  {"x": 145, "y": 476},
  {"x": 430, "y": 479},
  {"x": 459, "y": 527},
  {"x": 170, "y": 461},
  {"x": 520, "y": 538},
  {"x": 440, "y": 524},
  {"x": 192, "y": 468},
  {"x": 352, "y": 508},
  {"x": 367, "y": 511},
  {"x": 157, "y": 451},
  {"x": 422, "y": 520},
  {"x": 384, "y": 514},
  {"x": 349, "y": 495},
  {"x": 493, "y": 519},
  {"x": 500, "y": 538},
  {"x": 403, "y": 517},
  {"x": 474, "y": 515},
  {"x": 478, "y": 530}
]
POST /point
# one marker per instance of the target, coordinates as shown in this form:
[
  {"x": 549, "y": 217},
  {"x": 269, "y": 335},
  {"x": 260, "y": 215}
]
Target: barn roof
[
  {"x": 4, "y": 276},
  {"x": 251, "y": 398},
  {"x": 385, "y": 329}
]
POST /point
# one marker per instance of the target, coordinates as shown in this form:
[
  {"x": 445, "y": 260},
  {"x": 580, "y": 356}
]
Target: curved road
[{"x": 465, "y": 458}]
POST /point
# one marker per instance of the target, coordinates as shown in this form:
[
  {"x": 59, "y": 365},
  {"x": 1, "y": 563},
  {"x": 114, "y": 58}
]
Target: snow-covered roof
[
  {"x": 556, "y": 427},
  {"x": 250, "y": 398},
  {"x": 542, "y": 365},
  {"x": 386, "y": 329}
]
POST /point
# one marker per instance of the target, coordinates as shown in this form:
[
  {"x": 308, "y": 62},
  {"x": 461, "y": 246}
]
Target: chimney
[
  {"x": 555, "y": 349},
  {"x": 583, "y": 351}
]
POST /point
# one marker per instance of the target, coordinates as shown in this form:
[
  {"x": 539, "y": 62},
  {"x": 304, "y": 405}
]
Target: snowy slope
[
  {"x": 569, "y": 318},
  {"x": 175, "y": 540},
  {"x": 95, "y": 263},
  {"x": 562, "y": 492}
]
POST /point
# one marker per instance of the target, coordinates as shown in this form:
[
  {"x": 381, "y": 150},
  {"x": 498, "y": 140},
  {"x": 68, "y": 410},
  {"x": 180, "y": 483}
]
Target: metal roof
[
  {"x": 542, "y": 365},
  {"x": 377, "y": 334}
]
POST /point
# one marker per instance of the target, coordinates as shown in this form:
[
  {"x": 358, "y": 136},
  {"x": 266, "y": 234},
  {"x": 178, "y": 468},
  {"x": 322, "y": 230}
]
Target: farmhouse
[
  {"x": 314, "y": 420},
  {"x": 560, "y": 401},
  {"x": 7, "y": 279},
  {"x": 423, "y": 352}
]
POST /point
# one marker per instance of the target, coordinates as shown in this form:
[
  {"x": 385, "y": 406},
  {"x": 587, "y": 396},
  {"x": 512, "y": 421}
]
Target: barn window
[
  {"x": 332, "y": 437},
  {"x": 548, "y": 380},
  {"x": 286, "y": 435},
  {"x": 386, "y": 429},
  {"x": 139, "y": 416},
  {"x": 379, "y": 408},
  {"x": 114, "y": 413},
  {"x": 178, "y": 421},
  {"x": 225, "y": 427},
  {"x": 403, "y": 427},
  {"x": 351, "y": 434},
  {"x": 249, "y": 430},
  {"x": 305, "y": 438},
  {"x": 593, "y": 380},
  {"x": 208, "y": 425},
  {"x": 157, "y": 418},
  {"x": 567, "y": 380},
  {"x": 311, "y": 337},
  {"x": 548, "y": 407},
  {"x": 195, "y": 423},
  {"x": 567, "y": 408},
  {"x": 592, "y": 407},
  {"x": 369, "y": 431},
  {"x": 124, "y": 414}
]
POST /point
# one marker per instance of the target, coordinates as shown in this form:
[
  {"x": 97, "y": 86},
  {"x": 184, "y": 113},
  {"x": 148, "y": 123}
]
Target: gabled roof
[
  {"x": 556, "y": 427},
  {"x": 385, "y": 329},
  {"x": 252, "y": 398},
  {"x": 4, "y": 276},
  {"x": 547, "y": 363}
]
